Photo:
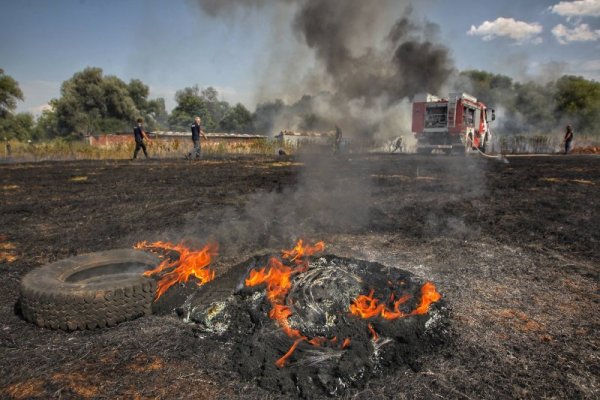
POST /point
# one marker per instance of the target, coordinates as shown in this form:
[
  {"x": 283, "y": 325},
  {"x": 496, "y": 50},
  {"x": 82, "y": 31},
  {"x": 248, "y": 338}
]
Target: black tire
[{"x": 89, "y": 291}]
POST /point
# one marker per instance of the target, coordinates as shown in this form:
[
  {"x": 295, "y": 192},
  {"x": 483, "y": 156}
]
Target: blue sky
[{"x": 173, "y": 44}]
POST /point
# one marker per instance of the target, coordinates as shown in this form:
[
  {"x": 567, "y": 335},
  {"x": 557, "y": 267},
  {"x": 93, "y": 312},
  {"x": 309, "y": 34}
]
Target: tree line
[
  {"x": 537, "y": 108},
  {"x": 92, "y": 103}
]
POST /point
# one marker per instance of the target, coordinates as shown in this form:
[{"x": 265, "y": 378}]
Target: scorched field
[{"x": 513, "y": 249}]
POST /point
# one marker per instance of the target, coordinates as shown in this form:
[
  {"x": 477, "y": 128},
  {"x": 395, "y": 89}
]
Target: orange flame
[
  {"x": 374, "y": 335},
  {"x": 368, "y": 306},
  {"x": 428, "y": 295},
  {"x": 190, "y": 263},
  {"x": 281, "y": 362},
  {"x": 300, "y": 251},
  {"x": 278, "y": 278}
]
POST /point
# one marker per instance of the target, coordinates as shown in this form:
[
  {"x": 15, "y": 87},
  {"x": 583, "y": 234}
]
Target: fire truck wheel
[{"x": 89, "y": 291}]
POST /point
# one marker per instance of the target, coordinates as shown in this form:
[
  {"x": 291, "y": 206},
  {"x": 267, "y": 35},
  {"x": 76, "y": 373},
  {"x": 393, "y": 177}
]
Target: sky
[{"x": 174, "y": 44}]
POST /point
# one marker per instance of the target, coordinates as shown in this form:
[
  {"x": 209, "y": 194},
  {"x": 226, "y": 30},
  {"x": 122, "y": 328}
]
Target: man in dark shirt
[
  {"x": 338, "y": 140},
  {"x": 196, "y": 133},
  {"x": 568, "y": 138},
  {"x": 139, "y": 135}
]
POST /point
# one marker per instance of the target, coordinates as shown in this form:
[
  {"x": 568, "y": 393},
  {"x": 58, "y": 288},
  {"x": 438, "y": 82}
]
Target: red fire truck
[{"x": 455, "y": 124}]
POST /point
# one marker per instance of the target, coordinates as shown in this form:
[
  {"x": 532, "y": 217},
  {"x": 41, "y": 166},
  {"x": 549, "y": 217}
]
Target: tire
[{"x": 89, "y": 291}]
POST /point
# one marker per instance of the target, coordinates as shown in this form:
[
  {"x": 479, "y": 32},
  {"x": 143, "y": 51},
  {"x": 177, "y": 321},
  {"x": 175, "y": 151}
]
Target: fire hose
[{"x": 498, "y": 157}]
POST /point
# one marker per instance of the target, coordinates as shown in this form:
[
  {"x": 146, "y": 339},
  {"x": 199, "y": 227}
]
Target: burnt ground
[{"x": 513, "y": 248}]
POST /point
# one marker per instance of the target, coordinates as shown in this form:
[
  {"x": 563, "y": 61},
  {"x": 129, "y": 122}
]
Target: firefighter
[
  {"x": 139, "y": 134},
  {"x": 568, "y": 138},
  {"x": 338, "y": 140},
  {"x": 397, "y": 144},
  {"x": 196, "y": 133}
]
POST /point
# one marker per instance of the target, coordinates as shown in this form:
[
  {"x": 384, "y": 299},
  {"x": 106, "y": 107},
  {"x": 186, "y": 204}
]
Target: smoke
[
  {"x": 330, "y": 195},
  {"x": 366, "y": 58}
]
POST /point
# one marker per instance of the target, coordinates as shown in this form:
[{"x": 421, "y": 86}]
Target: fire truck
[{"x": 457, "y": 124}]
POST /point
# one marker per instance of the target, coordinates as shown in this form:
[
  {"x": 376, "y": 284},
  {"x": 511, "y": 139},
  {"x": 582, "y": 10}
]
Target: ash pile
[{"x": 309, "y": 325}]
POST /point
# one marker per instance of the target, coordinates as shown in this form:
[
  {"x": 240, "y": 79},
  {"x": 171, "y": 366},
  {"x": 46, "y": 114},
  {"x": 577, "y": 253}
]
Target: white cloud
[
  {"x": 580, "y": 33},
  {"x": 578, "y": 8},
  {"x": 510, "y": 28}
]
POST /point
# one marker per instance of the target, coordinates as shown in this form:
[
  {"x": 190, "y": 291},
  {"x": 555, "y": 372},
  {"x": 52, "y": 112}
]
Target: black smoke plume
[{"x": 367, "y": 63}]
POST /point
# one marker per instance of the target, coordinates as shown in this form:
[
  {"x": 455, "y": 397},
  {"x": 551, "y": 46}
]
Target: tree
[
  {"x": 139, "y": 92},
  {"x": 47, "y": 124},
  {"x": 578, "y": 102},
  {"x": 237, "y": 119},
  {"x": 217, "y": 109},
  {"x": 156, "y": 114},
  {"x": 92, "y": 103},
  {"x": 19, "y": 126},
  {"x": 190, "y": 104},
  {"x": 9, "y": 94}
]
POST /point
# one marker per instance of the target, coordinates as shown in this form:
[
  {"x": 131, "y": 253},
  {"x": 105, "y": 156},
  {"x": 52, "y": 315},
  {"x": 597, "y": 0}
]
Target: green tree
[
  {"x": 47, "y": 124},
  {"x": 237, "y": 119},
  {"x": 9, "y": 94},
  {"x": 534, "y": 103},
  {"x": 19, "y": 126},
  {"x": 92, "y": 103},
  {"x": 578, "y": 102},
  {"x": 190, "y": 104},
  {"x": 156, "y": 114},
  {"x": 216, "y": 108}
]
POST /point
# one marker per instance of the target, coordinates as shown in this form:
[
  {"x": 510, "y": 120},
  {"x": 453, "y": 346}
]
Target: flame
[
  {"x": 428, "y": 295},
  {"x": 281, "y": 362},
  {"x": 190, "y": 263},
  {"x": 367, "y": 306},
  {"x": 300, "y": 251},
  {"x": 278, "y": 279},
  {"x": 346, "y": 343},
  {"x": 374, "y": 335}
]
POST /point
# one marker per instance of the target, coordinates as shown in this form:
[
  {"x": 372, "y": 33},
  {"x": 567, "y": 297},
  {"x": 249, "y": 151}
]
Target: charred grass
[{"x": 512, "y": 247}]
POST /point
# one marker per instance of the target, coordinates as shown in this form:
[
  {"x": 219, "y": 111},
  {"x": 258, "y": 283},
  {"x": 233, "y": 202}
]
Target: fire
[
  {"x": 300, "y": 251},
  {"x": 190, "y": 263},
  {"x": 368, "y": 306},
  {"x": 278, "y": 279},
  {"x": 428, "y": 295},
  {"x": 374, "y": 335}
]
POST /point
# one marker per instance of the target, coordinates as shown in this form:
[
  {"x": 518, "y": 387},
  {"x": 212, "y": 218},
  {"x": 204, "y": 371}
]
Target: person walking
[
  {"x": 196, "y": 133},
  {"x": 568, "y": 138},
  {"x": 397, "y": 144},
  {"x": 139, "y": 134},
  {"x": 337, "y": 142}
]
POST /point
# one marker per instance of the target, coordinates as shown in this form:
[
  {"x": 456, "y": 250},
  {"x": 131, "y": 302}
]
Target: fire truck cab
[{"x": 456, "y": 124}]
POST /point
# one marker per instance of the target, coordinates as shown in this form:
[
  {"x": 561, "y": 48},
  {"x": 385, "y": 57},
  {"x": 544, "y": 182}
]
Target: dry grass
[{"x": 74, "y": 150}]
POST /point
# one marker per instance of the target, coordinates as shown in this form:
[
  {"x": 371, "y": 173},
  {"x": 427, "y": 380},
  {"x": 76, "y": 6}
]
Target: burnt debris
[{"x": 321, "y": 345}]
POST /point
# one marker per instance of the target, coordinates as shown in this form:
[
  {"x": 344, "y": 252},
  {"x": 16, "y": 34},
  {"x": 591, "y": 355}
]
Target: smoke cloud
[{"x": 368, "y": 57}]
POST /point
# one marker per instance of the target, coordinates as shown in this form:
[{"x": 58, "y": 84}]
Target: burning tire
[
  {"x": 321, "y": 325},
  {"x": 89, "y": 291}
]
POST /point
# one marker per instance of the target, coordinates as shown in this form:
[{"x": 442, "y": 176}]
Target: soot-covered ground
[{"x": 513, "y": 248}]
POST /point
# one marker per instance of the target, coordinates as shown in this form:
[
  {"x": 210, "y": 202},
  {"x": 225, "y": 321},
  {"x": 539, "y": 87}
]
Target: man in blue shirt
[
  {"x": 196, "y": 133},
  {"x": 139, "y": 135}
]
